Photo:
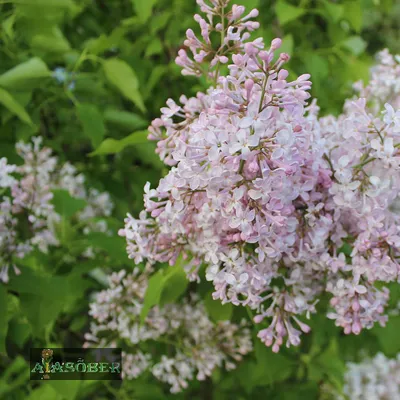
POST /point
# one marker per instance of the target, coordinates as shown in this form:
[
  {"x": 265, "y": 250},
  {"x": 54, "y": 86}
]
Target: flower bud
[
  {"x": 253, "y": 13},
  {"x": 284, "y": 57},
  {"x": 276, "y": 44},
  {"x": 258, "y": 318}
]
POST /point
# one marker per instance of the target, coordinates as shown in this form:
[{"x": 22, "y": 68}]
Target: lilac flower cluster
[
  {"x": 268, "y": 195},
  {"x": 198, "y": 345},
  {"x": 373, "y": 379},
  {"x": 25, "y": 203},
  {"x": 384, "y": 84}
]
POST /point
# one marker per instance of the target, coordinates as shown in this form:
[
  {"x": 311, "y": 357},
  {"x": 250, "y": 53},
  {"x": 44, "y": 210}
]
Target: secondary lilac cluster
[
  {"x": 195, "y": 345},
  {"x": 384, "y": 84},
  {"x": 269, "y": 195},
  {"x": 377, "y": 378},
  {"x": 27, "y": 216}
]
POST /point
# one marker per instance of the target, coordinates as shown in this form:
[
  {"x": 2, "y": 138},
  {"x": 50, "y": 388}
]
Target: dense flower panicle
[
  {"x": 198, "y": 344},
  {"x": 373, "y": 379},
  {"x": 25, "y": 197},
  {"x": 266, "y": 194}
]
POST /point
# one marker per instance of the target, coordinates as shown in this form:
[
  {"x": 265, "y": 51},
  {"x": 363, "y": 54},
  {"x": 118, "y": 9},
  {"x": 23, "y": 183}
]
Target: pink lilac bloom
[{"x": 266, "y": 193}]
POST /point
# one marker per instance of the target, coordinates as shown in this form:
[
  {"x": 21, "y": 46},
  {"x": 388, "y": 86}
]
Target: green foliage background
[{"x": 118, "y": 57}]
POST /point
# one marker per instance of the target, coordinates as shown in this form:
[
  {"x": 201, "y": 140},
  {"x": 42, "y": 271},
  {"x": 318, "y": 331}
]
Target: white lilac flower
[
  {"x": 197, "y": 345},
  {"x": 376, "y": 378}
]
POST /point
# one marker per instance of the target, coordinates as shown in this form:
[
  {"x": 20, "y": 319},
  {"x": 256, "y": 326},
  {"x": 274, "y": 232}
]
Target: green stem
[
  {"x": 264, "y": 87},
  {"x": 327, "y": 159},
  {"x": 241, "y": 166},
  {"x": 250, "y": 315},
  {"x": 364, "y": 163}
]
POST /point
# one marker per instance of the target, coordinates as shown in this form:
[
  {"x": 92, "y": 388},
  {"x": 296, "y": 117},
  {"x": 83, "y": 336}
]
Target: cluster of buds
[{"x": 231, "y": 28}]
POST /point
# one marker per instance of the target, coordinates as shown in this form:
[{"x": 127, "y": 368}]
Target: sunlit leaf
[
  {"x": 123, "y": 77},
  {"x": 112, "y": 146},
  {"x": 12, "y": 105}
]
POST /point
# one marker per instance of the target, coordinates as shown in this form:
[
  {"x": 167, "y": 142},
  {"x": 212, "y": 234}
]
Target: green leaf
[
  {"x": 328, "y": 364},
  {"x": 353, "y": 14},
  {"x": 271, "y": 367},
  {"x": 246, "y": 372},
  {"x": 44, "y": 392},
  {"x": 47, "y": 3},
  {"x": 143, "y": 8},
  {"x": 300, "y": 391},
  {"x": 65, "y": 204},
  {"x": 99, "y": 276},
  {"x": 92, "y": 122},
  {"x": 159, "y": 21},
  {"x": 356, "y": 69},
  {"x": 335, "y": 11},
  {"x": 355, "y": 44},
  {"x": 216, "y": 310},
  {"x": 79, "y": 323},
  {"x": 287, "y": 44},
  {"x": 19, "y": 331},
  {"x": 112, "y": 146},
  {"x": 16, "y": 375},
  {"x": 153, "y": 294},
  {"x": 42, "y": 298},
  {"x": 13, "y": 306},
  {"x": 28, "y": 282},
  {"x": 147, "y": 391},
  {"x": 17, "y": 76},
  {"x": 124, "y": 119},
  {"x": 156, "y": 74},
  {"x": 123, "y": 77},
  {"x": 145, "y": 152},
  {"x": 388, "y": 336},
  {"x": 154, "y": 47},
  {"x": 287, "y": 12},
  {"x": 67, "y": 389},
  {"x": 51, "y": 44},
  {"x": 114, "y": 246},
  {"x": 317, "y": 66},
  {"x": 250, "y": 4},
  {"x": 174, "y": 285},
  {"x": 8, "y": 25},
  {"x": 41, "y": 310},
  {"x": 166, "y": 286},
  {"x": 12, "y": 105},
  {"x": 3, "y": 318},
  {"x": 346, "y": 249}
]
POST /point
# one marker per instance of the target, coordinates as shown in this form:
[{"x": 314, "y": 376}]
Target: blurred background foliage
[{"x": 89, "y": 76}]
